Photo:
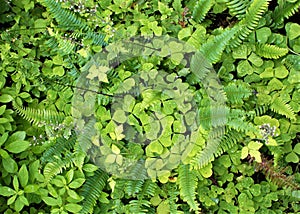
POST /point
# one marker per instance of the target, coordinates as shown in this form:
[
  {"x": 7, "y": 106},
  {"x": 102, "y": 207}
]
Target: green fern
[
  {"x": 92, "y": 189},
  {"x": 54, "y": 168},
  {"x": 213, "y": 49},
  {"x": 213, "y": 115},
  {"x": 270, "y": 51},
  {"x": 39, "y": 116},
  {"x": 236, "y": 92},
  {"x": 173, "y": 193},
  {"x": 280, "y": 106},
  {"x": 133, "y": 187},
  {"x": 284, "y": 10},
  {"x": 237, "y": 8},
  {"x": 250, "y": 21},
  {"x": 60, "y": 145},
  {"x": 229, "y": 140},
  {"x": 201, "y": 9},
  {"x": 207, "y": 154},
  {"x": 69, "y": 21},
  {"x": 142, "y": 204},
  {"x": 64, "y": 17},
  {"x": 187, "y": 181}
]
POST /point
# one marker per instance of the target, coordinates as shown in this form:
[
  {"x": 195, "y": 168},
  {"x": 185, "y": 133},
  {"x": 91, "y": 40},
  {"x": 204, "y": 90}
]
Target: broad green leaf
[
  {"x": 184, "y": 32},
  {"x": 245, "y": 152},
  {"x": 6, "y": 191},
  {"x": 69, "y": 175},
  {"x": 73, "y": 208},
  {"x": 293, "y": 30},
  {"x": 281, "y": 72},
  {"x": 73, "y": 194},
  {"x": 297, "y": 148},
  {"x": 254, "y": 145},
  {"x": 23, "y": 175},
  {"x": 50, "y": 201},
  {"x": 256, "y": 154},
  {"x": 16, "y": 183},
  {"x": 255, "y": 60},
  {"x": 244, "y": 68},
  {"x": 119, "y": 116},
  {"x": 77, "y": 183},
  {"x": 111, "y": 158},
  {"x": 17, "y": 146},
  {"x": 292, "y": 157},
  {"x": 59, "y": 70},
  {"x": 24, "y": 200},
  {"x": 10, "y": 165},
  {"x": 31, "y": 188},
  {"x": 19, "y": 204},
  {"x": 6, "y": 98},
  {"x": 17, "y": 136},
  {"x": 100, "y": 72},
  {"x": 154, "y": 147},
  {"x": 263, "y": 34},
  {"x": 3, "y": 138},
  {"x": 89, "y": 167},
  {"x": 2, "y": 109},
  {"x": 11, "y": 200}
]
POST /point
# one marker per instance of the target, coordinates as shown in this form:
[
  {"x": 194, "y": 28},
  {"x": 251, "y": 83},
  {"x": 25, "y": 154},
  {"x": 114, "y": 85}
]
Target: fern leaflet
[
  {"x": 92, "y": 190},
  {"x": 280, "y": 106},
  {"x": 213, "y": 49},
  {"x": 39, "y": 116},
  {"x": 201, "y": 9},
  {"x": 187, "y": 181},
  {"x": 270, "y": 51},
  {"x": 250, "y": 21}
]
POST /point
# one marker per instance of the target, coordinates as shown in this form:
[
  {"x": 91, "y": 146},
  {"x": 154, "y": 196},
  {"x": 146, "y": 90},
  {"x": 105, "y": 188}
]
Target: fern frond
[
  {"x": 250, "y": 21},
  {"x": 54, "y": 168},
  {"x": 207, "y": 154},
  {"x": 213, "y": 49},
  {"x": 213, "y": 116},
  {"x": 228, "y": 141},
  {"x": 133, "y": 187},
  {"x": 257, "y": 111},
  {"x": 237, "y": 121},
  {"x": 200, "y": 66},
  {"x": 280, "y": 106},
  {"x": 270, "y": 51},
  {"x": 64, "y": 17},
  {"x": 65, "y": 46},
  {"x": 173, "y": 197},
  {"x": 92, "y": 190},
  {"x": 237, "y": 92},
  {"x": 139, "y": 206},
  {"x": 39, "y": 116},
  {"x": 187, "y": 181},
  {"x": 61, "y": 145},
  {"x": 284, "y": 10},
  {"x": 143, "y": 204},
  {"x": 201, "y": 9},
  {"x": 237, "y": 8}
]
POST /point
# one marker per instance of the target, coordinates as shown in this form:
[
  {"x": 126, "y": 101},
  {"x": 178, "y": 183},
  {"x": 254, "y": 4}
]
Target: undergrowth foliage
[{"x": 245, "y": 156}]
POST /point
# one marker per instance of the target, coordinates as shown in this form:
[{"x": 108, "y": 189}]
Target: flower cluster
[{"x": 267, "y": 130}]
